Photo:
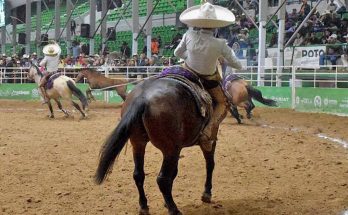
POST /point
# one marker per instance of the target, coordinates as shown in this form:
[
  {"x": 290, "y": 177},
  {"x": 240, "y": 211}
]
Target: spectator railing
[{"x": 325, "y": 76}]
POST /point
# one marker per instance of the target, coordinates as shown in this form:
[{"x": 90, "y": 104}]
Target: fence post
[
  {"x": 336, "y": 76},
  {"x": 21, "y": 75},
  {"x": 293, "y": 88},
  {"x": 106, "y": 93}
]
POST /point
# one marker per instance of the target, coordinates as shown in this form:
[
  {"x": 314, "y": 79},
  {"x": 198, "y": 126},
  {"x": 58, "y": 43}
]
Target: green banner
[
  {"x": 30, "y": 92},
  {"x": 327, "y": 100},
  {"x": 280, "y": 94},
  {"x": 19, "y": 91}
]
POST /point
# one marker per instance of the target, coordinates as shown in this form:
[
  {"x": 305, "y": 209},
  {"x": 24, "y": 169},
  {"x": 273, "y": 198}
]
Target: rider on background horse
[
  {"x": 51, "y": 61},
  {"x": 200, "y": 51}
]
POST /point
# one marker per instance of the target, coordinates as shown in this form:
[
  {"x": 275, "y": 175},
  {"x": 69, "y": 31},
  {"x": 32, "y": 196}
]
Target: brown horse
[
  {"x": 99, "y": 81},
  {"x": 240, "y": 93},
  {"x": 163, "y": 111}
]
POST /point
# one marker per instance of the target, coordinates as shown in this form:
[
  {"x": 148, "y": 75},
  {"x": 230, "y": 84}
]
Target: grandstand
[{"x": 165, "y": 13}]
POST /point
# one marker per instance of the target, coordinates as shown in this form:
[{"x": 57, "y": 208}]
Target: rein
[{"x": 120, "y": 85}]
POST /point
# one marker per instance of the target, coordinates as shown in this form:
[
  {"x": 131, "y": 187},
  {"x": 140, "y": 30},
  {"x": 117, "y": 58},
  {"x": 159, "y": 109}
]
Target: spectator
[
  {"x": 85, "y": 48},
  {"x": 9, "y": 70},
  {"x": 34, "y": 59},
  {"x": 154, "y": 46},
  {"x": 125, "y": 50},
  {"x": 299, "y": 40},
  {"x": 25, "y": 61},
  {"x": 332, "y": 6},
  {"x": 293, "y": 15},
  {"x": 334, "y": 51},
  {"x": 305, "y": 9},
  {"x": 73, "y": 27},
  {"x": 345, "y": 44},
  {"x": 76, "y": 50},
  {"x": 132, "y": 70}
]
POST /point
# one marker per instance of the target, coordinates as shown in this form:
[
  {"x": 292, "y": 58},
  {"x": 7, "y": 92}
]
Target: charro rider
[
  {"x": 51, "y": 61},
  {"x": 200, "y": 51}
]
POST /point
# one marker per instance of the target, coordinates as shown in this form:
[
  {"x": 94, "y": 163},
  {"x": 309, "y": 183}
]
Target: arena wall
[{"x": 327, "y": 100}]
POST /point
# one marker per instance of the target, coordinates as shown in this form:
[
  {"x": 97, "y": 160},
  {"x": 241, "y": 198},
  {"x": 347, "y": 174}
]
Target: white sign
[{"x": 305, "y": 56}]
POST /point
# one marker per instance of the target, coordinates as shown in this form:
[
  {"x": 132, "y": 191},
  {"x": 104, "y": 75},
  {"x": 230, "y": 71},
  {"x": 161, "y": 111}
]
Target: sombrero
[
  {"x": 207, "y": 16},
  {"x": 51, "y": 49}
]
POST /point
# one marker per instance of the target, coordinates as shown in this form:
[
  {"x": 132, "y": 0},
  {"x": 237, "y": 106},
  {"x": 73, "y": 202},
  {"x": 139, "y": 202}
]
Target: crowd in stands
[{"x": 329, "y": 27}]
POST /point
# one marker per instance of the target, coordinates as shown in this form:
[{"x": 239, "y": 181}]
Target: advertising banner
[
  {"x": 280, "y": 94},
  {"x": 329, "y": 100},
  {"x": 303, "y": 56},
  {"x": 322, "y": 100},
  {"x": 30, "y": 92}
]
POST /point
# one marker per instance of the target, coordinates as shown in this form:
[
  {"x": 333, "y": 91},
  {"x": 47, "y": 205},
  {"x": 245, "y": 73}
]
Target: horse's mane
[
  {"x": 92, "y": 71},
  {"x": 37, "y": 69}
]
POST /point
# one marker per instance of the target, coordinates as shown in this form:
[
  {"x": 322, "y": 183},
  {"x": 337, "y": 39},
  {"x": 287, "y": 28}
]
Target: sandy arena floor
[{"x": 273, "y": 164}]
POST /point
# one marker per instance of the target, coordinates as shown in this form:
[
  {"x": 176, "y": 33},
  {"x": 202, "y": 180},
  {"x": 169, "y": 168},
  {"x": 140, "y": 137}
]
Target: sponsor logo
[{"x": 317, "y": 101}]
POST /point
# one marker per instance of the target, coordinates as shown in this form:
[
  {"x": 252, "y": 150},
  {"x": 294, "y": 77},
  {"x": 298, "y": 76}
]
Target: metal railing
[{"x": 334, "y": 76}]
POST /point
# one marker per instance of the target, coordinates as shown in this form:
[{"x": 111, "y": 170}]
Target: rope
[{"x": 120, "y": 85}]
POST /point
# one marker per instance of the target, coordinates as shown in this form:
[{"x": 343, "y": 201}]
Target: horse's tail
[
  {"x": 256, "y": 94},
  {"x": 78, "y": 93},
  {"x": 118, "y": 139}
]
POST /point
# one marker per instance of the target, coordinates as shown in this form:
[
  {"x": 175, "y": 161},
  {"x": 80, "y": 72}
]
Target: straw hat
[
  {"x": 25, "y": 56},
  {"x": 51, "y": 49},
  {"x": 207, "y": 16},
  {"x": 334, "y": 36}
]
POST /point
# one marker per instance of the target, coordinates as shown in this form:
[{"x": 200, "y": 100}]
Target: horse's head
[
  {"x": 33, "y": 72},
  {"x": 80, "y": 76}
]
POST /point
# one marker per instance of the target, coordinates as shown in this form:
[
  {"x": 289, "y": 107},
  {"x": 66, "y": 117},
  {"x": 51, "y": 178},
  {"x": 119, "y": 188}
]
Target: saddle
[
  {"x": 191, "y": 82},
  {"x": 49, "y": 84}
]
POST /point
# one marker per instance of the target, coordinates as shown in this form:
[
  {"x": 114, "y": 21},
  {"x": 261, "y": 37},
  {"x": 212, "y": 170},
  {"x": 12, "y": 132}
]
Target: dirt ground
[{"x": 273, "y": 164}]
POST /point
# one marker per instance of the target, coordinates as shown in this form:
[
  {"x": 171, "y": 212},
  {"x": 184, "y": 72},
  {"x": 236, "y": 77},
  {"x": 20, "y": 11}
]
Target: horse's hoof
[
  {"x": 83, "y": 117},
  {"x": 206, "y": 198},
  {"x": 50, "y": 116},
  {"x": 241, "y": 116},
  {"x": 144, "y": 211}
]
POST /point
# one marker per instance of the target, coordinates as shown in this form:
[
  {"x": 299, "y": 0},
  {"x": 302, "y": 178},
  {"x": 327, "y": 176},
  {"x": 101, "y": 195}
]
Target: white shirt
[
  {"x": 201, "y": 50},
  {"x": 51, "y": 63}
]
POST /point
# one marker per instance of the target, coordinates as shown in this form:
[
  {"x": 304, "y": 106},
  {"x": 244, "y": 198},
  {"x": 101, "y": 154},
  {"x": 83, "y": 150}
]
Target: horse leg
[
  {"x": 122, "y": 92},
  {"x": 89, "y": 95},
  {"x": 235, "y": 114},
  {"x": 210, "y": 164},
  {"x": 139, "y": 175},
  {"x": 165, "y": 180},
  {"x": 77, "y": 106},
  {"x": 249, "y": 108},
  {"x": 51, "y": 109},
  {"x": 61, "y": 107}
]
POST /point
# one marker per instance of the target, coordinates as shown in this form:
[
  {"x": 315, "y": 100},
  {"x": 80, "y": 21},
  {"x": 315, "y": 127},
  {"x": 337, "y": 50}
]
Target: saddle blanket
[
  {"x": 230, "y": 78},
  {"x": 51, "y": 79}
]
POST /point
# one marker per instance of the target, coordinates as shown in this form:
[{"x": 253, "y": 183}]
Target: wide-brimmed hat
[
  {"x": 207, "y": 16},
  {"x": 334, "y": 36},
  {"x": 25, "y": 56},
  {"x": 51, "y": 49}
]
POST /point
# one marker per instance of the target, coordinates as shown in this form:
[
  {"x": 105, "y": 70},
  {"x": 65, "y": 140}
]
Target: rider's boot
[{"x": 209, "y": 134}]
